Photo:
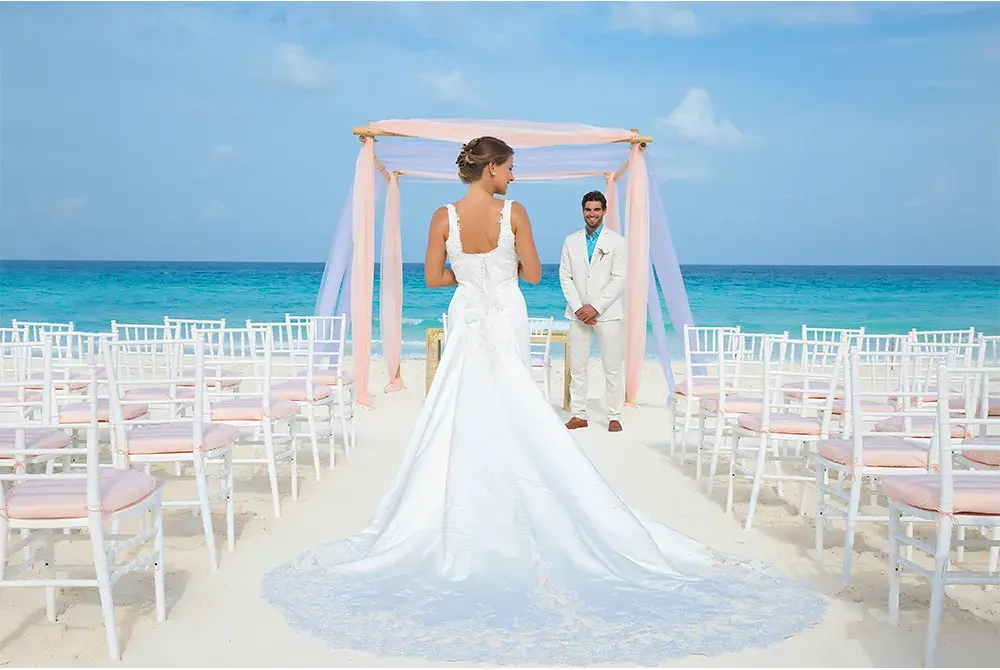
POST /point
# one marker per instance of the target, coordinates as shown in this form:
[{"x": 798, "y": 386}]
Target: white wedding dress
[{"x": 499, "y": 541}]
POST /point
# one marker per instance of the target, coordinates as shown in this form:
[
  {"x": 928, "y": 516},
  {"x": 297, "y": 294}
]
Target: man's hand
[{"x": 587, "y": 314}]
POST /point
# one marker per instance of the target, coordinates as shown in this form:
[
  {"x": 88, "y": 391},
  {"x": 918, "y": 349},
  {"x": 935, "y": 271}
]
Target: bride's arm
[
  {"x": 529, "y": 268},
  {"x": 435, "y": 273}
]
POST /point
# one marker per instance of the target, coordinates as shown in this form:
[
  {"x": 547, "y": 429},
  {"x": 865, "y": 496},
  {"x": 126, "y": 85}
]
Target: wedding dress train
[{"x": 499, "y": 541}]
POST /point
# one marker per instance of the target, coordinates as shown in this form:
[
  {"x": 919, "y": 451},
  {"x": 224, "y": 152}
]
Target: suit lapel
[{"x": 582, "y": 245}]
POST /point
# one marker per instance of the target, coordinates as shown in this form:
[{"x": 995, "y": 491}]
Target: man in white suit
[{"x": 592, "y": 275}]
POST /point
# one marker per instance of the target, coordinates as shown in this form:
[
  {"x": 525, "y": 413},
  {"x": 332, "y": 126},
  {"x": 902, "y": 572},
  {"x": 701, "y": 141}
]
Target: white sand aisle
[{"x": 220, "y": 619}]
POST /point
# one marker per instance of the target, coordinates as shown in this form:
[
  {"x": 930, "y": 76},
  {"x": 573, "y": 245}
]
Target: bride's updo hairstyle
[{"x": 477, "y": 154}]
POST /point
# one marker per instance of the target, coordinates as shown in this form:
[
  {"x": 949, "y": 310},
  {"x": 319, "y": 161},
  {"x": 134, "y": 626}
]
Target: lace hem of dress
[{"x": 734, "y": 606}]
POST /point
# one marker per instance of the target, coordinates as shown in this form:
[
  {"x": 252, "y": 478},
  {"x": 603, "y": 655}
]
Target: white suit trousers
[{"x": 611, "y": 345}]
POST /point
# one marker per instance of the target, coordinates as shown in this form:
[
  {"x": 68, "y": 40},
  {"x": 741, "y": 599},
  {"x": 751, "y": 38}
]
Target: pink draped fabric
[
  {"x": 637, "y": 279},
  {"x": 518, "y": 135},
  {"x": 611, "y": 193},
  {"x": 391, "y": 299},
  {"x": 453, "y": 176},
  {"x": 363, "y": 269}
]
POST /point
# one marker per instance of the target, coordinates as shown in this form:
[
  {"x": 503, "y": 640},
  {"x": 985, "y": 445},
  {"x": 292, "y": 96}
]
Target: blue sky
[{"x": 785, "y": 133}]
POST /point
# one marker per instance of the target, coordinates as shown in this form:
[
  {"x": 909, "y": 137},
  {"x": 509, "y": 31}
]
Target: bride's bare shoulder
[{"x": 439, "y": 221}]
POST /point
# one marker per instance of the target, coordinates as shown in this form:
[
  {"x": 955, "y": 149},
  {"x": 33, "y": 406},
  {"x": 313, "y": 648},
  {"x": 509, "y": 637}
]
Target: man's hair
[{"x": 595, "y": 196}]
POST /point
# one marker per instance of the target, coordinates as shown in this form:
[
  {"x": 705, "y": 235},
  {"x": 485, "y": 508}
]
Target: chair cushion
[
  {"x": 59, "y": 498},
  {"x": 958, "y": 404},
  {"x": 10, "y": 397},
  {"x": 735, "y": 404},
  {"x": 213, "y": 373},
  {"x": 877, "y": 452},
  {"x": 974, "y": 494},
  {"x": 981, "y": 456},
  {"x": 79, "y": 412},
  {"x": 817, "y": 389},
  {"x": 249, "y": 409},
  {"x": 701, "y": 387},
  {"x": 867, "y": 407},
  {"x": 330, "y": 377},
  {"x": 919, "y": 425},
  {"x": 35, "y": 438},
  {"x": 295, "y": 389},
  {"x": 783, "y": 423},
  {"x": 179, "y": 438},
  {"x": 74, "y": 381},
  {"x": 152, "y": 393}
]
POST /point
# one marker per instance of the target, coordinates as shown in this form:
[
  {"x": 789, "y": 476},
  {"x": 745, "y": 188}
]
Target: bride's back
[{"x": 480, "y": 224}]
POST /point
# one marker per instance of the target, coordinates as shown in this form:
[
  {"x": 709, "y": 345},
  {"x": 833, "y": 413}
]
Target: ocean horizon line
[{"x": 901, "y": 266}]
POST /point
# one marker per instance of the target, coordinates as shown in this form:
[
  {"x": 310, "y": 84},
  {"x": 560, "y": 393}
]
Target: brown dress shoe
[
  {"x": 614, "y": 426},
  {"x": 576, "y": 422}
]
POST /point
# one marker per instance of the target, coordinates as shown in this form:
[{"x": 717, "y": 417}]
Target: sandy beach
[{"x": 220, "y": 619}]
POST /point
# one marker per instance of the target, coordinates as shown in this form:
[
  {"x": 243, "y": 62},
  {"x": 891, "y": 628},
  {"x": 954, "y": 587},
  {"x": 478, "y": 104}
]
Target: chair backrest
[
  {"x": 329, "y": 334},
  {"x": 11, "y": 335},
  {"x": 783, "y": 365},
  {"x": 867, "y": 404},
  {"x": 33, "y": 330},
  {"x": 20, "y": 445},
  {"x": 243, "y": 350},
  {"x": 20, "y": 394},
  {"x": 701, "y": 350},
  {"x": 977, "y": 418},
  {"x": 145, "y": 331},
  {"x": 186, "y": 327},
  {"x": 182, "y": 408},
  {"x": 740, "y": 364},
  {"x": 877, "y": 370},
  {"x": 829, "y": 334},
  {"x": 541, "y": 337}
]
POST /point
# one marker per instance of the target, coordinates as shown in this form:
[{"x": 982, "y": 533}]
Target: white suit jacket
[{"x": 599, "y": 281}]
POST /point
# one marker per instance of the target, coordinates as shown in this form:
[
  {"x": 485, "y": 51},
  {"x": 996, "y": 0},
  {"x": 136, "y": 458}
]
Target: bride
[{"x": 498, "y": 540}]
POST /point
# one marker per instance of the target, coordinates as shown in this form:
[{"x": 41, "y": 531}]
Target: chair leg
[
  {"x": 938, "y": 582},
  {"x": 734, "y": 445},
  {"x": 206, "y": 511},
  {"x": 720, "y": 425},
  {"x": 672, "y": 425},
  {"x": 50, "y": 573},
  {"x": 894, "y": 569},
  {"x": 103, "y": 571},
  {"x": 758, "y": 477},
  {"x": 272, "y": 469},
  {"x": 857, "y": 483},
  {"x": 313, "y": 437},
  {"x": 821, "y": 502},
  {"x": 227, "y": 463},
  {"x": 159, "y": 569}
]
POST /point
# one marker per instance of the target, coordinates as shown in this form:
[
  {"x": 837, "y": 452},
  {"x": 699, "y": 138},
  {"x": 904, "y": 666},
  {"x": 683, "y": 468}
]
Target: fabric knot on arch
[{"x": 425, "y": 150}]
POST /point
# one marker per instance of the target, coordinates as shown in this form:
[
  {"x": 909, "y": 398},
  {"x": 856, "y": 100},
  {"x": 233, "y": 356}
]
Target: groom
[{"x": 592, "y": 275}]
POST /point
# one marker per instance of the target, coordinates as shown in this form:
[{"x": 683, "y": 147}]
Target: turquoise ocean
[{"x": 760, "y": 299}]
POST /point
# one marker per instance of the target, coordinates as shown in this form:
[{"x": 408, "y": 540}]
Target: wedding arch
[{"x": 421, "y": 150}]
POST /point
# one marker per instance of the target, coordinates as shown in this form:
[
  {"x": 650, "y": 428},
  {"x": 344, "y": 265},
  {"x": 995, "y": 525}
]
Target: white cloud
[
  {"x": 450, "y": 86},
  {"x": 222, "y": 152},
  {"x": 672, "y": 18},
  {"x": 294, "y": 67},
  {"x": 69, "y": 206},
  {"x": 652, "y": 18},
  {"x": 213, "y": 212},
  {"x": 694, "y": 120}
]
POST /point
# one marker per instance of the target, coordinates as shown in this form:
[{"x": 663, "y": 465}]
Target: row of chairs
[
  {"x": 912, "y": 421},
  {"x": 86, "y": 417}
]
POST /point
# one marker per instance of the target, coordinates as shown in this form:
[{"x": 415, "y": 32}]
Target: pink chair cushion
[
  {"x": 867, "y": 407},
  {"x": 295, "y": 389},
  {"x": 153, "y": 393},
  {"x": 35, "y": 438},
  {"x": 179, "y": 438},
  {"x": 74, "y": 381},
  {"x": 959, "y": 405},
  {"x": 79, "y": 412},
  {"x": 701, "y": 387},
  {"x": 983, "y": 457},
  {"x": 330, "y": 377},
  {"x": 7, "y": 397},
  {"x": 783, "y": 423},
  {"x": 735, "y": 404},
  {"x": 817, "y": 389},
  {"x": 974, "y": 494},
  {"x": 214, "y": 373},
  {"x": 249, "y": 409},
  {"x": 877, "y": 452},
  {"x": 919, "y": 425},
  {"x": 67, "y": 498}
]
